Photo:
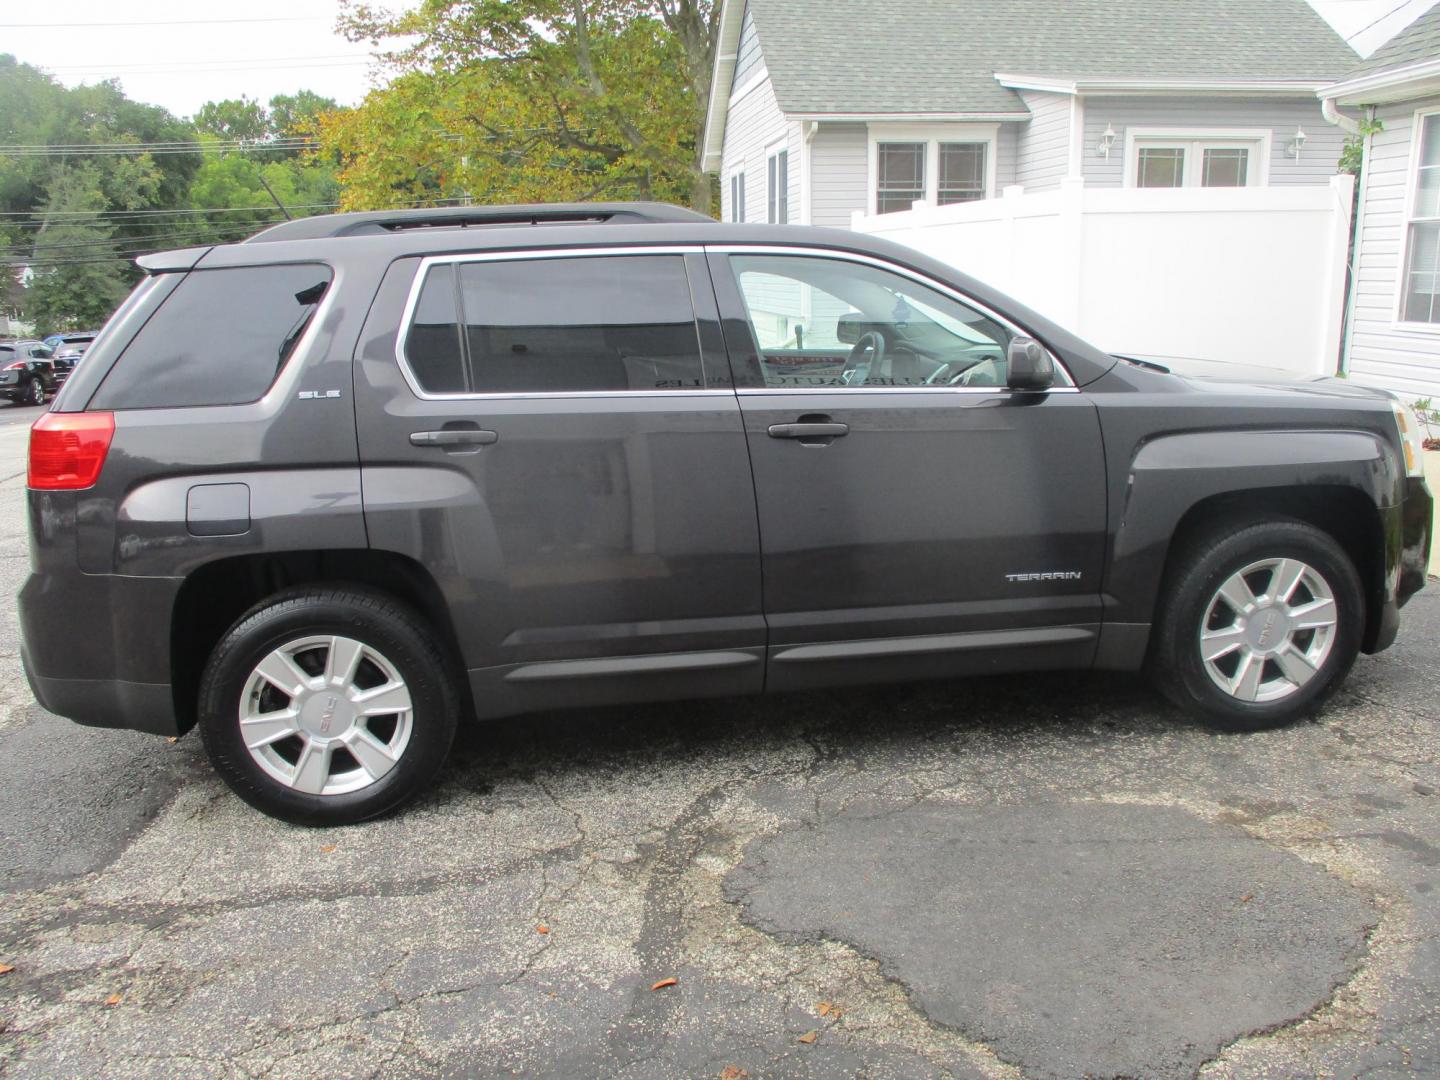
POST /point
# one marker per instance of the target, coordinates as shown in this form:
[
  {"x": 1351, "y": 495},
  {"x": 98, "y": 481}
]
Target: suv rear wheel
[
  {"x": 328, "y": 706},
  {"x": 34, "y": 392},
  {"x": 1260, "y": 623}
]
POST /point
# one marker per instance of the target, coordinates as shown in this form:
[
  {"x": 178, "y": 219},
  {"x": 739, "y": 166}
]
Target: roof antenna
[{"x": 271, "y": 190}]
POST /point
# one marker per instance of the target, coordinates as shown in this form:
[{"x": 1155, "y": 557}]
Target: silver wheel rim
[
  {"x": 326, "y": 715},
  {"x": 1268, "y": 630}
]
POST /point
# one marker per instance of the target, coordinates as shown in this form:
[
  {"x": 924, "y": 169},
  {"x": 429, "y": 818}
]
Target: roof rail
[{"x": 379, "y": 222}]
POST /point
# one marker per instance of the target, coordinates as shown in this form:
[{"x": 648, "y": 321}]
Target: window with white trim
[
  {"x": 1420, "y": 298},
  {"x": 777, "y": 186},
  {"x": 737, "y": 196},
  {"x": 939, "y": 164},
  {"x": 899, "y": 176},
  {"x": 1196, "y": 159}
]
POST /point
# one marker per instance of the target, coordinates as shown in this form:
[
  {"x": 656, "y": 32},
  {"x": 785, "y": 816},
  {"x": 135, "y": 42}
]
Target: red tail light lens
[
  {"x": 67, "y": 450},
  {"x": 17, "y": 366}
]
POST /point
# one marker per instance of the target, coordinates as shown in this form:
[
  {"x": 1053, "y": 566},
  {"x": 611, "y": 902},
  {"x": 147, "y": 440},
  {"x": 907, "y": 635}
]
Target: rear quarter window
[{"x": 221, "y": 338}]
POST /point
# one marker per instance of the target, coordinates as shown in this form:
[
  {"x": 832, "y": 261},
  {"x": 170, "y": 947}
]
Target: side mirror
[{"x": 1030, "y": 367}]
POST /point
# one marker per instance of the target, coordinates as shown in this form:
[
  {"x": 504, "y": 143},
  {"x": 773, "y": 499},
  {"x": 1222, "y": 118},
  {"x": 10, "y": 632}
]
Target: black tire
[
  {"x": 375, "y": 620},
  {"x": 35, "y": 392},
  {"x": 1176, "y": 664}
]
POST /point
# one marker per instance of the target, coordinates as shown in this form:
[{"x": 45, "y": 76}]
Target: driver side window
[{"x": 823, "y": 323}]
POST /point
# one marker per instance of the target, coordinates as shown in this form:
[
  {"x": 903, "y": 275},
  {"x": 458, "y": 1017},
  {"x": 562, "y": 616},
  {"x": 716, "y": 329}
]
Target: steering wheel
[{"x": 868, "y": 350}]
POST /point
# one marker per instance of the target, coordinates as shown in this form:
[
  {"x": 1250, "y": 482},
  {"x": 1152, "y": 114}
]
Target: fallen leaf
[
  {"x": 327, "y": 848},
  {"x": 733, "y": 1072},
  {"x": 114, "y": 999},
  {"x": 542, "y": 929},
  {"x": 808, "y": 1037},
  {"x": 172, "y": 739},
  {"x": 5, "y": 969},
  {"x": 823, "y": 1008},
  {"x": 664, "y": 983},
  {"x": 1247, "y": 898}
]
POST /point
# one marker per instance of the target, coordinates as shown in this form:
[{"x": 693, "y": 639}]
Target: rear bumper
[
  {"x": 109, "y": 703},
  {"x": 95, "y": 647}
]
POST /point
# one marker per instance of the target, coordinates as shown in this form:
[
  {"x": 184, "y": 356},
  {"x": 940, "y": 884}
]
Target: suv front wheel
[
  {"x": 328, "y": 706},
  {"x": 1260, "y": 623}
]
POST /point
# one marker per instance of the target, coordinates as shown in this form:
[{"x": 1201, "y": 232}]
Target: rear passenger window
[
  {"x": 556, "y": 325},
  {"x": 220, "y": 338}
]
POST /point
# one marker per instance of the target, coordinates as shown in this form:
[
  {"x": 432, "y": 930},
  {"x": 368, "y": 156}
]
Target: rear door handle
[
  {"x": 807, "y": 431},
  {"x": 453, "y": 437}
]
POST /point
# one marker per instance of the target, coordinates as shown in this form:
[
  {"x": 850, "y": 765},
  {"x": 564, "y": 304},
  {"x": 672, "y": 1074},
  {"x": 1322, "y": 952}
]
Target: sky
[{"x": 181, "y": 54}]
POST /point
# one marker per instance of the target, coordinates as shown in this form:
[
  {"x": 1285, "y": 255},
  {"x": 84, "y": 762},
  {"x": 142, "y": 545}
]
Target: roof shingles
[{"x": 940, "y": 56}]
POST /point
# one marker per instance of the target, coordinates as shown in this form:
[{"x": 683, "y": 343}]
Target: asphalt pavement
[{"x": 1018, "y": 877}]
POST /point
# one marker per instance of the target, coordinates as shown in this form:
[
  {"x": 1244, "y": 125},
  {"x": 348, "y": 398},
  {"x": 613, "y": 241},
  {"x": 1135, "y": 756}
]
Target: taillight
[
  {"x": 17, "y": 366},
  {"x": 67, "y": 450}
]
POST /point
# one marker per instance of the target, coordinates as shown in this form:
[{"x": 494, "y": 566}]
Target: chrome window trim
[
  {"x": 994, "y": 391},
  {"x": 513, "y": 255},
  {"x": 807, "y": 252}
]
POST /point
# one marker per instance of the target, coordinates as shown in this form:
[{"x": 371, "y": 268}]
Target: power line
[
  {"x": 162, "y": 22},
  {"x": 145, "y": 144},
  {"x": 99, "y": 150},
  {"x": 206, "y": 64},
  {"x": 110, "y": 216},
  {"x": 1382, "y": 18}
]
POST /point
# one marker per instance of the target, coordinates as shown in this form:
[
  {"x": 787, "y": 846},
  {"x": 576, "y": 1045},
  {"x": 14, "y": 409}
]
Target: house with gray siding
[
  {"x": 1393, "y": 321},
  {"x": 822, "y": 109}
]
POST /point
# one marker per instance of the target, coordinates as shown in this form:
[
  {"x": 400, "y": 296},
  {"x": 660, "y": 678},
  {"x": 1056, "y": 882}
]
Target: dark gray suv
[{"x": 328, "y": 491}]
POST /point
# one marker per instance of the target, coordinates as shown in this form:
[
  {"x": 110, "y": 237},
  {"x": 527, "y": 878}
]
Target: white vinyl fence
[{"x": 1252, "y": 276}]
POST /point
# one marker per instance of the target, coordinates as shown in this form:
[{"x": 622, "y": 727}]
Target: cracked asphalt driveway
[{"x": 999, "y": 878}]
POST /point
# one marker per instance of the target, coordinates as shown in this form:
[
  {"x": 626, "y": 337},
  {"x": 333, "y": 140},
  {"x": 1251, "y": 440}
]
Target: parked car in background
[
  {"x": 27, "y": 371},
  {"x": 361, "y": 476},
  {"x": 68, "y": 351}
]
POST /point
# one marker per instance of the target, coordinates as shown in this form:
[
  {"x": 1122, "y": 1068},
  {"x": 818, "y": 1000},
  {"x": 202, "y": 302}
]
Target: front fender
[{"x": 1172, "y": 475}]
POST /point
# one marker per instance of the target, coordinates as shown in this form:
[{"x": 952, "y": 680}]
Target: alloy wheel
[
  {"x": 326, "y": 715},
  {"x": 1268, "y": 630}
]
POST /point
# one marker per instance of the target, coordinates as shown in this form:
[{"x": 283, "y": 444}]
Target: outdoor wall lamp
[
  {"x": 1297, "y": 143},
  {"x": 1107, "y": 140}
]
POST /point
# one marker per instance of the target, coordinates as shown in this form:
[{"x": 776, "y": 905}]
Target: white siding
[
  {"x": 838, "y": 168},
  {"x": 1317, "y": 163},
  {"x": 1007, "y": 143},
  {"x": 1043, "y": 144},
  {"x": 755, "y": 123},
  {"x": 1406, "y": 361},
  {"x": 748, "y": 60}
]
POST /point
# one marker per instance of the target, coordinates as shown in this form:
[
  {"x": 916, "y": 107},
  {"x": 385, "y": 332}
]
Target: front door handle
[
  {"x": 805, "y": 431},
  {"x": 453, "y": 437}
]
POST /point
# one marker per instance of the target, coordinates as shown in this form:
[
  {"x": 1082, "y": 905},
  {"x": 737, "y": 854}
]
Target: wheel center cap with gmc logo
[
  {"x": 326, "y": 715},
  {"x": 1267, "y": 630}
]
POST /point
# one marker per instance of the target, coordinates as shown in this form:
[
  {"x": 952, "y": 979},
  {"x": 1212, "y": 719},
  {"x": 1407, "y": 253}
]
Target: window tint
[
  {"x": 826, "y": 323},
  {"x": 433, "y": 344},
  {"x": 220, "y": 338},
  {"x": 562, "y": 325}
]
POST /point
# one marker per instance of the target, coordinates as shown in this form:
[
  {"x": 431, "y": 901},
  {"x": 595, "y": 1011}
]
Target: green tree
[
  {"x": 298, "y": 113},
  {"x": 235, "y": 184},
  {"x": 76, "y": 279},
  {"x": 531, "y": 101},
  {"x": 240, "y": 119},
  {"x": 46, "y": 226}
]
